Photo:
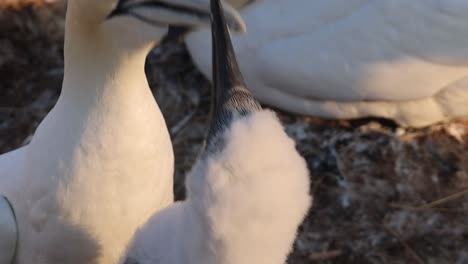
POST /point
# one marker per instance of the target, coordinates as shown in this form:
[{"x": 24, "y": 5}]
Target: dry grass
[{"x": 382, "y": 194}]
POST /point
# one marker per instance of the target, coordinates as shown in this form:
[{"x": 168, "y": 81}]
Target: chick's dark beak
[{"x": 230, "y": 98}]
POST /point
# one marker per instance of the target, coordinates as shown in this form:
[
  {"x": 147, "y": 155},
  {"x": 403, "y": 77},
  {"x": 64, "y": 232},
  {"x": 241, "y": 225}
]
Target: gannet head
[{"x": 138, "y": 22}]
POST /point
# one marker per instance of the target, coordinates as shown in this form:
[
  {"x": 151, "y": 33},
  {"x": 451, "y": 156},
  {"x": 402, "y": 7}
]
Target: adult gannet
[
  {"x": 403, "y": 60},
  {"x": 247, "y": 193},
  {"x": 101, "y": 162}
]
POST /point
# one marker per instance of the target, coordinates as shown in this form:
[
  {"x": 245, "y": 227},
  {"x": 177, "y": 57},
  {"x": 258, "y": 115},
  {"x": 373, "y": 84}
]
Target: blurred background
[{"x": 382, "y": 194}]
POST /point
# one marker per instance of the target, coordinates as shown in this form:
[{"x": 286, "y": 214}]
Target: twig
[
  {"x": 446, "y": 199},
  {"x": 432, "y": 205},
  {"x": 404, "y": 206},
  {"x": 413, "y": 208},
  {"x": 320, "y": 256}
]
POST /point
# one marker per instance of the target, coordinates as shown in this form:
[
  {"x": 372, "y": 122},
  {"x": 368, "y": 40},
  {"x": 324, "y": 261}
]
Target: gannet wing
[{"x": 369, "y": 46}]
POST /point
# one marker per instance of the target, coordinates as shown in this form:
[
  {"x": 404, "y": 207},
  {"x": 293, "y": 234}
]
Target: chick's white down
[
  {"x": 247, "y": 193},
  {"x": 244, "y": 203}
]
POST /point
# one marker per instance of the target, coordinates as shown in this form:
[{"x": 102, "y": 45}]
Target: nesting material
[{"x": 382, "y": 194}]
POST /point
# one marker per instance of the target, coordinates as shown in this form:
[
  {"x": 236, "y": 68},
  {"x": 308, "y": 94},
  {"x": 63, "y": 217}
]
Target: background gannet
[
  {"x": 404, "y": 60},
  {"x": 101, "y": 162},
  {"x": 247, "y": 193}
]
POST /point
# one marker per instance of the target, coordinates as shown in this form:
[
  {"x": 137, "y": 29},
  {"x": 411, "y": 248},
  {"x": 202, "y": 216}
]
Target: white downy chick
[{"x": 248, "y": 192}]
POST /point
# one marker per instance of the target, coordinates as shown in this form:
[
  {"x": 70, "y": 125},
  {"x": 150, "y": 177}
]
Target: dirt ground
[{"x": 382, "y": 194}]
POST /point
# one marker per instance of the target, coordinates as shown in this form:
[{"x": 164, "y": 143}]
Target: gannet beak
[
  {"x": 231, "y": 98},
  {"x": 226, "y": 72},
  {"x": 187, "y": 13},
  {"x": 8, "y": 231}
]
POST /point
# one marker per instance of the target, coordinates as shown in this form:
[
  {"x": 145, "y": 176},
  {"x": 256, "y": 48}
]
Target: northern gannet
[
  {"x": 101, "y": 162},
  {"x": 247, "y": 193},
  {"x": 403, "y": 60}
]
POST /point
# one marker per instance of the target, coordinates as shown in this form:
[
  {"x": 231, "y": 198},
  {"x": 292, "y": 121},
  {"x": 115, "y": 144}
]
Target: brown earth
[{"x": 382, "y": 194}]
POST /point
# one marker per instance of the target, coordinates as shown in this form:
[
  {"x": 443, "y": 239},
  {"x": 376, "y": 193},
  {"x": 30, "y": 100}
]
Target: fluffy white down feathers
[{"x": 244, "y": 204}]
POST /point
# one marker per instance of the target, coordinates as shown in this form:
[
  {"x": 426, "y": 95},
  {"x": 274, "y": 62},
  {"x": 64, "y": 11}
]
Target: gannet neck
[
  {"x": 95, "y": 60},
  {"x": 88, "y": 13},
  {"x": 106, "y": 118},
  {"x": 102, "y": 153},
  {"x": 92, "y": 75}
]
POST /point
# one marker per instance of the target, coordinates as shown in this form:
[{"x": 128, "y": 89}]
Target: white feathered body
[
  {"x": 244, "y": 205},
  {"x": 98, "y": 166},
  {"x": 354, "y": 58}
]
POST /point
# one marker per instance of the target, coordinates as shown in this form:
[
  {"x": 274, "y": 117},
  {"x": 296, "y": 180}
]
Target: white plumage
[
  {"x": 244, "y": 203},
  {"x": 404, "y": 60},
  {"x": 101, "y": 162},
  {"x": 248, "y": 192}
]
